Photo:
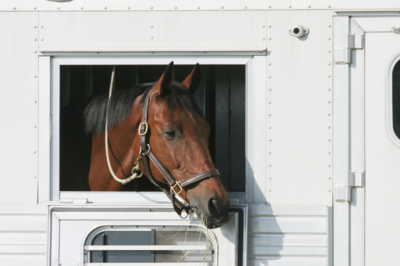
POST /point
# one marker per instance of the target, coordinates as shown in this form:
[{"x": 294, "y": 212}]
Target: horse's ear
[
  {"x": 192, "y": 81},
  {"x": 162, "y": 85}
]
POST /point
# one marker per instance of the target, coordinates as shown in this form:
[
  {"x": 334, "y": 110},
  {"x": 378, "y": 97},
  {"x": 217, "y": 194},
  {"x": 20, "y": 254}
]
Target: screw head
[
  {"x": 269, "y": 6},
  {"x": 105, "y": 7},
  {"x": 34, "y": 76},
  {"x": 329, "y": 190},
  {"x": 269, "y": 177},
  {"x": 269, "y": 26},
  {"x": 309, "y": 6},
  {"x": 35, "y": 102},
  {"x": 129, "y": 7},
  {"x": 34, "y": 177},
  {"x": 34, "y": 126},
  {"x": 329, "y": 6},
  {"x": 245, "y": 7},
  {"x": 263, "y": 39},
  {"x": 176, "y": 7},
  {"x": 198, "y": 7},
  {"x": 222, "y": 7},
  {"x": 290, "y": 6},
  {"x": 329, "y": 51},
  {"x": 58, "y": 8},
  {"x": 35, "y": 27},
  {"x": 329, "y": 152},
  {"x": 81, "y": 8},
  {"x": 34, "y": 8},
  {"x": 269, "y": 190},
  {"x": 14, "y": 8},
  {"x": 151, "y": 7}
]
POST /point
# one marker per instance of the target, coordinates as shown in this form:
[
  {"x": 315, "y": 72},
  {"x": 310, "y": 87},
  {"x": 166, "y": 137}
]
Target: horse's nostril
[{"x": 214, "y": 208}]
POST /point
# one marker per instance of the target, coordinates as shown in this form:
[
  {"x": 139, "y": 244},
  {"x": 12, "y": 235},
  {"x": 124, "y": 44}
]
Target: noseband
[{"x": 175, "y": 187}]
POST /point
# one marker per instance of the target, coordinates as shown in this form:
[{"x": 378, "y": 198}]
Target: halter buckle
[
  {"x": 177, "y": 183},
  {"x": 146, "y": 128}
]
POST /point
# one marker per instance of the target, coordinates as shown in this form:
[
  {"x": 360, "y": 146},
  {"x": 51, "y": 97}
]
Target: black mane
[{"x": 122, "y": 101}]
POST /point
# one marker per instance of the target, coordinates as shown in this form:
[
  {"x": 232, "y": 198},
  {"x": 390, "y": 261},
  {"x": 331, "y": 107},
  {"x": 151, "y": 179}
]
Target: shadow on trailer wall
[{"x": 220, "y": 97}]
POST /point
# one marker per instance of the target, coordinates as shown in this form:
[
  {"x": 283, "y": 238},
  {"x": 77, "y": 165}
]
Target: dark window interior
[
  {"x": 220, "y": 96},
  {"x": 396, "y": 99}
]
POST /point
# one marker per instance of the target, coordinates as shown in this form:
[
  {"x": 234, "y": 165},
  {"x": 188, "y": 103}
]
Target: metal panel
[
  {"x": 19, "y": 107},
  {"x": 179, "y": 5},
  {"x": 382, "y": 156},
  {"x": 156, "y": 31},
  {"x": 256, "y": 129},
  {"x": 357, "y": 131},
  {"x": 23, "y": 235},
  {"x": 341, "y": 147},
  {"x": 299, "y": 115},
  {"x": 288, "y": 235}
]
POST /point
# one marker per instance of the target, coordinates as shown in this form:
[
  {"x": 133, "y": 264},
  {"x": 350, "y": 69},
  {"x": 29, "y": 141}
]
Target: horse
[{"x": 164, "y": 116}]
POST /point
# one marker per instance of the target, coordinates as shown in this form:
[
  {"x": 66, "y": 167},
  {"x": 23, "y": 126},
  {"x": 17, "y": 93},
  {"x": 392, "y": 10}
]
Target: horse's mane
[{"x": 122, "y": 101}]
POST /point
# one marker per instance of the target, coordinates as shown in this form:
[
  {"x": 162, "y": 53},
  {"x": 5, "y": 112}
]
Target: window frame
[
  {"x": 389, "y": 103},
  {"x": 49, "y": 76}
]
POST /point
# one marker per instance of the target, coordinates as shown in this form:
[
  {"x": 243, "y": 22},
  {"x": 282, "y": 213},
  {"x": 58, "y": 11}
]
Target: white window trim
[
  {"x": 389, "y": 105},
  {"x": 49, "y": 69}
]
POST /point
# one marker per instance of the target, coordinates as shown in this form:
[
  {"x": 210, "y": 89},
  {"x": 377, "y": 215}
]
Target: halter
[
  {"x": 175, "y": 187},
  {"x": 145, "y": 153}
]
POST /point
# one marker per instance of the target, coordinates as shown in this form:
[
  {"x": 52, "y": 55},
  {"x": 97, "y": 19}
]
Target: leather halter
[{"x": 176, "y": 187}]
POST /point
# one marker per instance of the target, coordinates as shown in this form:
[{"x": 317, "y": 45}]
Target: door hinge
[
  {"x": 342, "y": 53},
  {"x": 74, "y": 201},
  {"x": 352, "y": 180}
]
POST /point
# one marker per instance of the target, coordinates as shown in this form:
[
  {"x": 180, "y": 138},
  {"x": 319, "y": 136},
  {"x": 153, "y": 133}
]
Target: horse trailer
[{"x": 302, "y": 104}]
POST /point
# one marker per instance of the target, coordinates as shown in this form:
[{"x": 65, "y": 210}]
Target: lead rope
[{"x": 134, "y": 175}]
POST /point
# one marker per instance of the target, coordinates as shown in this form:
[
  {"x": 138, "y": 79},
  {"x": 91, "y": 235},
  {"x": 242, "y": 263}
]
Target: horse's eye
[{"x": 170, "y": 134}]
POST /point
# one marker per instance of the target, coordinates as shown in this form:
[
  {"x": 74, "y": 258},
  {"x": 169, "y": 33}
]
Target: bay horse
[{"x": 159, "y": 120}]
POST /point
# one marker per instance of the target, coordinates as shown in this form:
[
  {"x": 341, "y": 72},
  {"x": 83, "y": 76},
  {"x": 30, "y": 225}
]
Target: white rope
[{"x": 134, "y": 175}]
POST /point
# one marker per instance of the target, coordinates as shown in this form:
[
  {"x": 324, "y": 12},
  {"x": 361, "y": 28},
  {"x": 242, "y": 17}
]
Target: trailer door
[{"x": 374, "y": 142}]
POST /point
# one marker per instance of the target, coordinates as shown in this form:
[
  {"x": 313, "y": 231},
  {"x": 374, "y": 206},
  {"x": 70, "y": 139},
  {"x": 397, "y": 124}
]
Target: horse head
[{"x": 178, "y": 136}]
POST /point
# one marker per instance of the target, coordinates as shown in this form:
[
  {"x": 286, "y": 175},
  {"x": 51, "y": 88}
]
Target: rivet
[
  {"x": 34, "y": 126},
  {"x": 35, "y": 27},
  {"x": 42, "y": 27},
  {"x": 263, "y": 39},
  {"x": 329, "y": 165},
  {"x": 263, "y": 26},
  {"x": 198, "y": 7},
  {"x": 34, "y": 8},
  {"x": 329, "y": 152},
  {"x": 329, "y": 89},
  {"x": 35, "y": 40},
  {"x": 151, "y": 7},
  {"x": 269, "y": 26},
  {"x": 290, "y": 6},
  {"x": 176, "y": 7},
  {"x": 35, "y": 102},
  {"x": 329, "y": 190},
  {"x": 309, "y": 6},
  {"x": 329, "y": 64},
  {"x": 269, "y": 165},
  {"x": 329, "y": 76},
  {"x": 82, "y": 8},
  {"x": 42, "y": 40},
  {"x": 329, "y": 26},
  {"x": 269, "y": 190},
  {"x": 34, "y": 76},
  {"x": 329, "y": 139},
  {"x": 269, "y": 39},
  {"x": 222, "y": 7},
  {"x": 329, "y": 101},
  {"x": 269, "y": 127},
  {"x": 269, "y": 63},
  {"x": 329, "y": 39},
  {"x": 151, "y": 38},
  {"x": 329, "y": 6},
  {"x": 329, "y": 127},
  {"x": 269, "y": 114},
  {"x": 269, "y": 6},
  {"x": 269, "y": 177},
  {"x": 15, "y": 8},
  {"x": 58, "y": 8},
  {"x": 129, "y": 7},
  {"x": 329, "y": 177},
  {"x": 329, "y": 114},
  {"x": 269, "y": 76},
  {"x": 245, "y": 7},
  {"x": 269, "y": 102},
  {"x": 34, "y": 151},
  {"x": 270, "y": 140},
  {"x": 329, "y": 51},
  {"x": 270, "y": 89},
  {"x": 269, "y": 152},
  {"x": 35, "y": 52},
  {"x": 105, "y": 7},
  {"x": 34, "y": 177}
]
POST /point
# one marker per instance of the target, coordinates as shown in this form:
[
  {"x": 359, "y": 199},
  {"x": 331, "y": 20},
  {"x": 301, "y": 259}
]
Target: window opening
[
  {"x": 220, "y": 96},
  {"x": 396, "y": 99},
  {"x": 150, "y": 245}
]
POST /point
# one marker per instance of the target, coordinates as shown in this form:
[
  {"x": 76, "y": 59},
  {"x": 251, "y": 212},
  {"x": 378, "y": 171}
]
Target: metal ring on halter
[{"x": 187, "y": 214}]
